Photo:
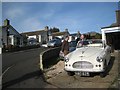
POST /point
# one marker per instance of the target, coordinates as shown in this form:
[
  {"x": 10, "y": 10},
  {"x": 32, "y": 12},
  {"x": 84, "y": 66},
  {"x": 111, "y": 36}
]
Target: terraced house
[
  {"x": 10, "y": 36},
  {"x": 40, "y": 36}
]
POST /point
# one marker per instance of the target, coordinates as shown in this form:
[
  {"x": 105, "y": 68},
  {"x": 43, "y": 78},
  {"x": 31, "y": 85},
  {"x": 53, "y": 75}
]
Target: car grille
[{"x": 82, "y": 65}]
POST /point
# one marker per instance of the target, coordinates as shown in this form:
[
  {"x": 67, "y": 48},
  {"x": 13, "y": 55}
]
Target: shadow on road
[{"x": 38, "y": 73}]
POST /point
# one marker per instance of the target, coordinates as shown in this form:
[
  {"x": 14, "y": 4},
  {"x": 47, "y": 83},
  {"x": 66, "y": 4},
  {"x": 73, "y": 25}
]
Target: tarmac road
[{"x": 21, "y": 70}]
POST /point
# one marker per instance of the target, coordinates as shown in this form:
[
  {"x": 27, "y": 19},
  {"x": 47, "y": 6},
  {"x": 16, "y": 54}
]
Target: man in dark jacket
[{"x": 65, "y": 46}]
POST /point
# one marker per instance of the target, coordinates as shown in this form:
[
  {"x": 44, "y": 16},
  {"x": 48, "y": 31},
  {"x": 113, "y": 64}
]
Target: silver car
[{"x": 54, "y": 43}]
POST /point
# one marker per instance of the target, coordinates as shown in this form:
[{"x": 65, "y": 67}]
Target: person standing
[
  {"x": 65, "y": 46},
  {"x": 81, "y": 40}
]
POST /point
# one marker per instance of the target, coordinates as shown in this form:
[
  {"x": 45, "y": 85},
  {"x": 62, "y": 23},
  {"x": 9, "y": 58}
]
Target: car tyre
[
  {"x": 92, "y": 74},
  {"x": 105, "y": 65},
  {"x": 70, "y": 73},
  {"x": 103, "y": 74}
]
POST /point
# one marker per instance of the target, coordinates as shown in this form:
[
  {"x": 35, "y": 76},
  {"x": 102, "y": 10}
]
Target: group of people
[{"x": 65, "y": 45}]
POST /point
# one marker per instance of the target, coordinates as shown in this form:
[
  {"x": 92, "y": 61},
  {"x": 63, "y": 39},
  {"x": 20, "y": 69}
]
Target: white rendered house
[{"x": 111, "y": 34}]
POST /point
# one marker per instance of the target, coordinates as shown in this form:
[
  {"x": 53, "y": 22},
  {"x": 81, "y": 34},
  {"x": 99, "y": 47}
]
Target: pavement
[{"x": 116, "y": 82}]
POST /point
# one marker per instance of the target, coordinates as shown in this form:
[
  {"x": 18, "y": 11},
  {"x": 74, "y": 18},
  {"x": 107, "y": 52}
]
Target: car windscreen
[
  {"x": 96, "y": 43},
  {"x": 82, "y": 43}
]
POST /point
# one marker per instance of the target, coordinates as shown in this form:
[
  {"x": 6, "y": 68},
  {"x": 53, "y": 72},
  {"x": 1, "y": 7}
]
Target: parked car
[
  {"x": 32, "y": 41},
  {"x": 92, "y": 58},
  {"x": 54, "y": 43},
  {"x": 57, "y": 38}
]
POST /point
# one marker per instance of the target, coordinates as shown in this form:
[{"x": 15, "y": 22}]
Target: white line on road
[
  {"x": 7, "y": 70},
  {"x": 2, "y": 76}
]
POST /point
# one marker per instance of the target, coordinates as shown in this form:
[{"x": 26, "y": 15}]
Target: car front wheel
[{"x": 103, "y": 74}]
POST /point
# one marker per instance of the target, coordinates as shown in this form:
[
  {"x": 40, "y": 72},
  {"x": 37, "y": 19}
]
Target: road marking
[{"x": 7, "y": 70}]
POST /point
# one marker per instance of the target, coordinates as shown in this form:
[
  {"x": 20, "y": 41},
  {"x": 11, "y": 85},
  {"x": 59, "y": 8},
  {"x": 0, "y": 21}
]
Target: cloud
[
  {"x": 48, "y": 14},
  {"x": 30, "y": 24},
  {"x": 13, "y": 12}
]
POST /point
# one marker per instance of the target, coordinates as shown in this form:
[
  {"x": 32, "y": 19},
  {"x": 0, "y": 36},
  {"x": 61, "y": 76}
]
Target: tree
[
  {"x": 54, "y": 29},
  {"x": 98, "y": 36}
]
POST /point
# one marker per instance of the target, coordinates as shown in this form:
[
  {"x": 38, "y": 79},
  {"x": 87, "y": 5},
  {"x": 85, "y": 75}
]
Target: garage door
[{"x": 113, "y": 39}]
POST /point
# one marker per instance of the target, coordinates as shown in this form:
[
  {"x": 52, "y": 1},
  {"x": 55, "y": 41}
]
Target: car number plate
[{"x": 83, "y": 73}]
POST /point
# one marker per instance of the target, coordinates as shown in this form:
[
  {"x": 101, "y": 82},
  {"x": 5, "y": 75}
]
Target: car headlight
[
  {"x": 99, "y": 59},
  {"x": 66, "y": 59}
]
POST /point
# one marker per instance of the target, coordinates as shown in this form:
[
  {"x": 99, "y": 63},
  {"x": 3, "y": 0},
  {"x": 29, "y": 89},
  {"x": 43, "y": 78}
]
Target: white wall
[
  {"x": 59, "y": 36},
  {"x": 109, "y": 30},
  {"x": 40, "y": 38},
  {"x": 33, "y": 36},
  {"x": 50, "y": 38},
  {"x": 12, "y": 39},
  {"x": 70, "y": 39}
]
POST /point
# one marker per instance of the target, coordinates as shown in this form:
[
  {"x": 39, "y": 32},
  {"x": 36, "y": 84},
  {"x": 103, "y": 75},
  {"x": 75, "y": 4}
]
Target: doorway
[{"x": 113, "y": 39}]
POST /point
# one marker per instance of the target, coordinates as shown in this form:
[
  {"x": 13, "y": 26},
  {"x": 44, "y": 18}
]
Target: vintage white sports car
[{"x": 90, "y": 58}]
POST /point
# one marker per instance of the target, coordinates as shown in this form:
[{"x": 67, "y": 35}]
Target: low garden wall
[{"x": 49, "y": 57}]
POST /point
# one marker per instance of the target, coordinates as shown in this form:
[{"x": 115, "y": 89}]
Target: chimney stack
[
  {"x": 118, "y": 17},
  {"x": 6, "y": 22},
  {"x": 46, "y": 28}
]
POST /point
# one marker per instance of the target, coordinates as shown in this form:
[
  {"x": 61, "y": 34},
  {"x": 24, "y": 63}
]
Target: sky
[{"x": 75, "y": 16}]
